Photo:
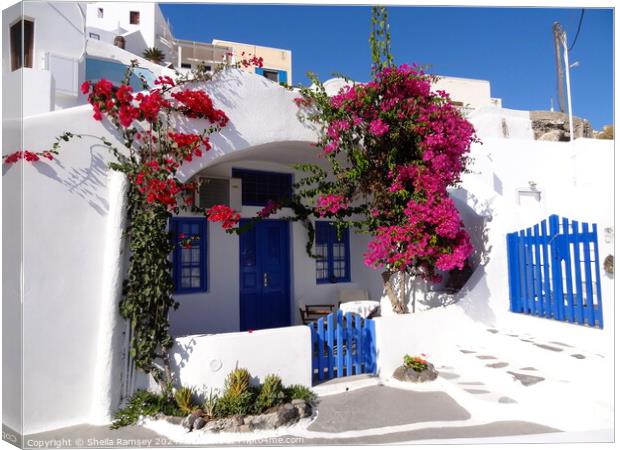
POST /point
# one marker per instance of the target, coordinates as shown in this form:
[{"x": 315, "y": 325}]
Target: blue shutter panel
[
  {"x": 259, "y": 71},
  {"x": 282, "y": 76},
  {"x": 189, "y": 265},
  {"x": 334, "y": 266}
]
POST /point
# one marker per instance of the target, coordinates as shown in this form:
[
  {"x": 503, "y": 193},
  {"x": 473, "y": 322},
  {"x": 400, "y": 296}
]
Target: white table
[{"x": 362, "y": 307}]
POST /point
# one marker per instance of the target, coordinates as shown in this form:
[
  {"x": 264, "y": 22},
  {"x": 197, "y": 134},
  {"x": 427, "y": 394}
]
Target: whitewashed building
[{"x": 63, "y": 256}]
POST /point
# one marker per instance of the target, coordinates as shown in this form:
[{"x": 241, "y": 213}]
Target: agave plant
[
  {"x": 238, "y": 382},
  {"x": 186, "y": 399},
  {"x": 153, "y": 54},
  {"x": 210, "y": 403}
]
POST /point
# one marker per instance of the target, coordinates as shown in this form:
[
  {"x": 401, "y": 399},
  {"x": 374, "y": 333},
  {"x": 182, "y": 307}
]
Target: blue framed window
[
  {"x": 258, "y": 187},
  {"x": 189, "y": 261},
  {"x": 333, "y": 263},
  {"x": 97, "y": 69},
  {"x": 278, "y": 76}
]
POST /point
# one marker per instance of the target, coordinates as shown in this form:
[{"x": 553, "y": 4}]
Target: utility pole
[{"x": 558, "y": 37}]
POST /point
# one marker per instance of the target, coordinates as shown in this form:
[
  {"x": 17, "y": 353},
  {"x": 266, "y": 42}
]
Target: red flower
[
  {"x": 140, "y": 178},
  {"x": 85, "y": 87},
  {"x": 151, "y": 104},
  {"x": 224, "y": 214},
  {"x": 30, "y": 156},
  {"x": 13, "y": 157},
  {"x": 165, "y": 80},
  {"x": 97, "y": 112},
  {"x": 198, "y": 105},
  {"x": 123, "y": 94},
  {"x": 103, "y": 88},
  {"x": 127, "y": 114}
]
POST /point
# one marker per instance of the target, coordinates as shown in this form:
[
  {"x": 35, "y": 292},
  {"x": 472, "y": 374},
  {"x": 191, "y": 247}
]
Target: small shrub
[
  {"x": 145, "y": 403},
  {"x": 237, "y": 382},
  {"x": 271, "y": 393},
  {"x": 416, "y": 363},
  {"x": 231, "y": 404},
  {"x": 186, "y": 399},
  {"x": 297, "y": 391},
  {"x": 239, "y": 397}
]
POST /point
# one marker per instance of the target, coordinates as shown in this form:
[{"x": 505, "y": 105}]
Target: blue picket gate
[
  {"x": 342, "y": 345},
  {"x": 554, "y": 271}
]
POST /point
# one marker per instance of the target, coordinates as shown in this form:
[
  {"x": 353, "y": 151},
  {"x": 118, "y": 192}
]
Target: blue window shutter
[
  {"x": 327, "y": 234},
  {"x": 189, "y": 265},
  {"x": 259, "y": 186},
  {"x": 282, "y": 76},
  {"x": 259, "y": 71}
]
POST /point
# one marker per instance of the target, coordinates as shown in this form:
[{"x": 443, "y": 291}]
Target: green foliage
[
  {"x": 153, "y": 54},
  {"x": 232, "y": 403},
  {"x": 297, "y": 391},
  {"x": 237, "y": 382},
  {"x": 186, "y": 399},
  {"x": 380, "y": 39},
  {"x": 239, "y": 397},
  {"x": 271, "y": 393},
  {"x": 148, "y": 289},
  {"x": 415, "y": 362},
  {"x": 210, "y": 404},
  {"x": 147, "y": 404}
]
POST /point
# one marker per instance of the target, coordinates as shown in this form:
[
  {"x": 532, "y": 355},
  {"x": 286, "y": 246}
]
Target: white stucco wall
[
  {"x": 116, "y": 18},
  {"x": 472, "y": 93},
  {"x": 66, "y": 205},
  {"x": 204, "y": 361},
  {"x": 59, "y": 30}
]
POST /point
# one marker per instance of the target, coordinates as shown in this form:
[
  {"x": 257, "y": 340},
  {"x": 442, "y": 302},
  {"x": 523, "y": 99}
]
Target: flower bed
[{"x": 241, "y": 406}]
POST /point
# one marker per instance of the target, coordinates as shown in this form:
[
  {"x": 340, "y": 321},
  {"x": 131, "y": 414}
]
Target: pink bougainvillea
[
  {"x": 330, "y": 204},
  {"x": 404, "y": 146}
]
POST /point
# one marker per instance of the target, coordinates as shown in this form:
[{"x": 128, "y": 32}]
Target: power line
[{"x": 578, "y": 29}]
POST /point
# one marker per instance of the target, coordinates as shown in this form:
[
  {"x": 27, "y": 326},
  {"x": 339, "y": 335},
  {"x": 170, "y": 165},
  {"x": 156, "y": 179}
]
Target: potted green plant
[
  {"x": 415, "y": 369},
  {"x": 153, "y": 54}
]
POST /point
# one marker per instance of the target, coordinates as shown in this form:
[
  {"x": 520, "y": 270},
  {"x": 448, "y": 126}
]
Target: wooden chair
[{"x": 310, "y": 313}]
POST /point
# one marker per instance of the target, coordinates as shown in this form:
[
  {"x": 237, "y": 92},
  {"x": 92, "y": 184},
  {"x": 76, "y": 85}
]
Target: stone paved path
[
  {"x": 372, "y": 407},
  {"x": 381, "y": 406}
]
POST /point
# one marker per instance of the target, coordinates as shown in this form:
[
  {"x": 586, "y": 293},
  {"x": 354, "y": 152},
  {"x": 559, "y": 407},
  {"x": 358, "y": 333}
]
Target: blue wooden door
[{"x": 264, "y": 296}]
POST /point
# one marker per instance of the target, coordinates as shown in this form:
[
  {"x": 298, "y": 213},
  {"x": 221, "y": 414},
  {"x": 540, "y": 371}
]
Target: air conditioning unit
[{"x": 219, "y": 191}]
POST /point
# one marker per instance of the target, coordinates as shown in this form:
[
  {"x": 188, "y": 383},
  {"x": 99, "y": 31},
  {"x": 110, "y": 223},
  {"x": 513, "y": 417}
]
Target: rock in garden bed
[
  {"x": 403, "y": 373},
  {"x": 278, "y": 416},
  {"x": 415, "y": 370}
]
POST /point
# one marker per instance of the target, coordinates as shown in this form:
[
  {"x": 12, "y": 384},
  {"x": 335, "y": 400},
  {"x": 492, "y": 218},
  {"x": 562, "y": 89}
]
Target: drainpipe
[{"x": 106, "y": 380}]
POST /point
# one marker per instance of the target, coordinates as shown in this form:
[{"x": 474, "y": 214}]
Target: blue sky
[{"x": 510, "y": 47}]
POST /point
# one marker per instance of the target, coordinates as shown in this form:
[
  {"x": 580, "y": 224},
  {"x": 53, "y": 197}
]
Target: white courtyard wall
[{"x": 204, "y": 361}]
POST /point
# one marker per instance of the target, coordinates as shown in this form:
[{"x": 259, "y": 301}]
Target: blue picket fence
[
  {"x": 342, "y": 345},
  {"x": 554, "y": 271}
]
